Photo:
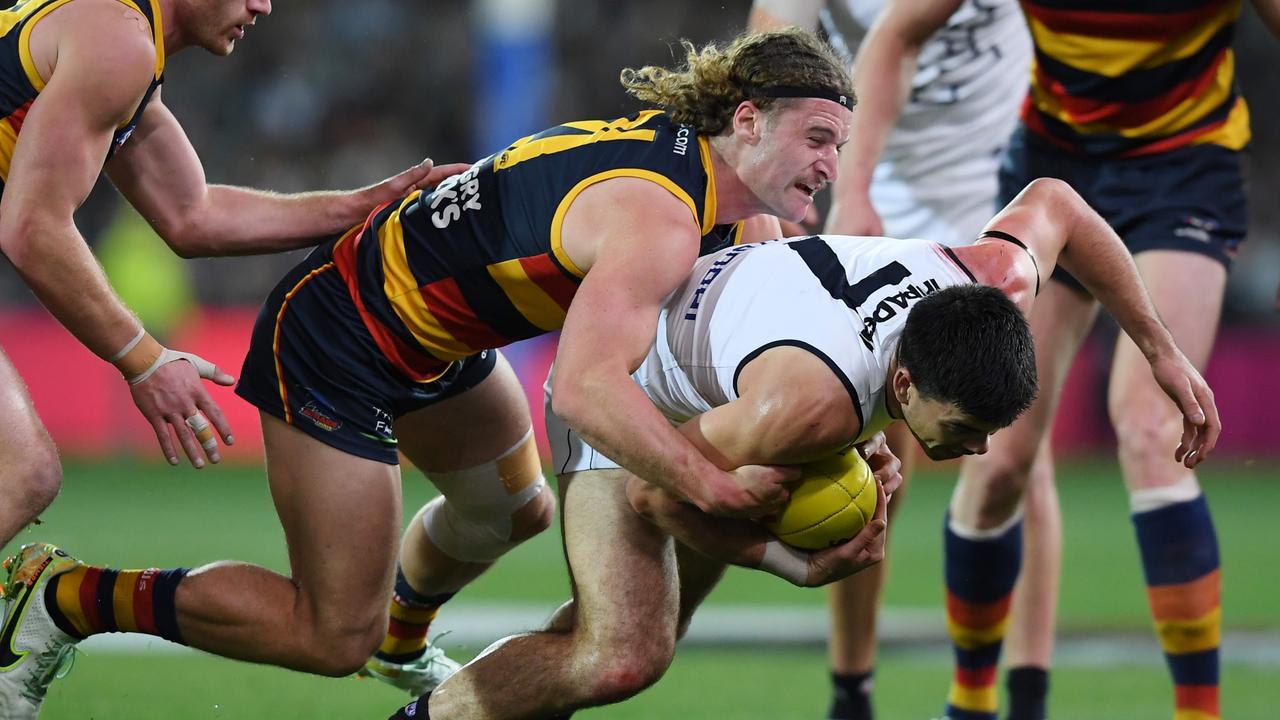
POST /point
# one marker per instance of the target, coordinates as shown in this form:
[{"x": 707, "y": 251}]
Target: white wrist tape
[
  {"x": 786, "y": 562},
  {"x": 205, "y": 368}
]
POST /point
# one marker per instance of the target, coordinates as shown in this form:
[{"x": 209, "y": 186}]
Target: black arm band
[{"x": 997, "y": 234}]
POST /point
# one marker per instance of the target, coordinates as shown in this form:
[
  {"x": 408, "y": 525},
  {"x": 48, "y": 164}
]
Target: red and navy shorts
[
  {"x": 312, "y": 363},
  {"x": 1190, "y": 199}
]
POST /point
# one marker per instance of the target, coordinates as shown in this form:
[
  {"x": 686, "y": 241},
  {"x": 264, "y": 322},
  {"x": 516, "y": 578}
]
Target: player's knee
[
  {"x": 1145, "y": 436},
  {"x": 340, "y": 647},
  {"x": 492, "y": 507},
  {"x": 1003, "y": 482},
  {"x": 35, "y": 478},
  {"x": 535, "y": 517},
  {"x": 621, "y": 671}
]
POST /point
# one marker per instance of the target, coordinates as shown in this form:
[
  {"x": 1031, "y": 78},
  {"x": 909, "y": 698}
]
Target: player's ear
[
  {"x": 748, "y": 122},
  {"x": 902, "y": 385}
]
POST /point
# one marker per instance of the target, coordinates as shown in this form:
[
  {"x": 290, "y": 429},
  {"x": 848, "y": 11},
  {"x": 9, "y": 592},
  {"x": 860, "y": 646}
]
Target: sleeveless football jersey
[
  {"x": 844, "y": 299},
  {"x": 478, "y": 262},
  {"x": 1134, "y": 77},
  {"x": 20, "y": 83}
]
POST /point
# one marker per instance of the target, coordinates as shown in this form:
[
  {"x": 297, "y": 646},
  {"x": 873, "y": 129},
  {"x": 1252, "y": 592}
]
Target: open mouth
[{"x": 808, "y": 189}]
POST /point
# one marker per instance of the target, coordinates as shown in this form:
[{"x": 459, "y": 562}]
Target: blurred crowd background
[{"x": 336, "y": 94}]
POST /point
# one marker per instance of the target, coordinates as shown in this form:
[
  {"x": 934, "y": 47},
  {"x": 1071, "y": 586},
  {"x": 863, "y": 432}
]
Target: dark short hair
[{"x": 970, "y": 345}]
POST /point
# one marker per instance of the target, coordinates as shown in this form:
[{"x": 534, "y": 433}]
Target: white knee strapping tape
[{"x": 473, "y": 524}]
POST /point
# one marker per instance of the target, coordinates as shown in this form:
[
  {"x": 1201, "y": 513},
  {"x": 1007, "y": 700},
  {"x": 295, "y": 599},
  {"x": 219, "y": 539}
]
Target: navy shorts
[
  {"x": 1189, "y": 199},
  {"x": 313, "y": 364}
]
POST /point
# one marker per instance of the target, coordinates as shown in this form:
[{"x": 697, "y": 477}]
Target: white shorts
[{"x": 569, "y": 452}]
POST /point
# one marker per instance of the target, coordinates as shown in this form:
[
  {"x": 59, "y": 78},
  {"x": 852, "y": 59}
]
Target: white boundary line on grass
[{"x": 472, "y": 626}]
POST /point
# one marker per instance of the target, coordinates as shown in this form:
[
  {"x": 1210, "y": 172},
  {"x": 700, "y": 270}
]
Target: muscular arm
[
  {"x": 56, "y": 160},
  {"x": 882, "y": 73},
  {"x": 639, "y": 242},
  {"x": 105, "y": 61},
  {"x": 159, "y": 173},
  {"x": 792, "y": 410},
  {"x": 1059, "y": 227}
]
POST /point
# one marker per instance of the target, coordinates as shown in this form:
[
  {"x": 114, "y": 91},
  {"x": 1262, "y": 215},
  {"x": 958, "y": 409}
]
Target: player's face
[
  {"x": 945, "y": 431},
  {"x": 796, "y": 155},
  {"x": 218, "y": 24}
]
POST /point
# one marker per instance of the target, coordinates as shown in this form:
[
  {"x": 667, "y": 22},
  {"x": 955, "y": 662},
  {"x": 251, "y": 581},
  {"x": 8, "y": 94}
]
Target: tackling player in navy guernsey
[
  {"x": 784, "y": 353},
  {"x": 384, "y": 341}
]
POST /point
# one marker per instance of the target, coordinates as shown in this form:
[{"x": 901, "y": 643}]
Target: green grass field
[{"x": 128, "y": 514}]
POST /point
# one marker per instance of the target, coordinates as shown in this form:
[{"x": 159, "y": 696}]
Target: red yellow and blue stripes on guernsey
[{"x": 1134, "y": 77}]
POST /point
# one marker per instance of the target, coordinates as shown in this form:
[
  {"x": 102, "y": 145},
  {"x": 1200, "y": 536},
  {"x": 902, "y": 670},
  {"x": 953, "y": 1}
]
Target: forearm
[
  {"x": 769, "y": 15},
  {"x": 617, "y": 419},
  {"x": 55, "y": 263},
  {"x": 243, "y": 221},
  {"x": 1096, "y": 256},
  {"x": 883, "y": 71},
  {"x": 729, "y": 540}
]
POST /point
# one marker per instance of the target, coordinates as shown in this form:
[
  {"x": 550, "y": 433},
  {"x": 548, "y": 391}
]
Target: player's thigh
[
  {"x": 341, "y": 517},
  {"x": 1139, "y": 409},
  {"x": 23, "y": 438},
  {"x": 1059, "y": 322},
  {"x": 624, "y": 568},
  {"x": 470, "y": 428}
]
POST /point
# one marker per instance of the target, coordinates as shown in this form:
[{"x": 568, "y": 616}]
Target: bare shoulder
[
  {"x": 634, "y": 211},
  {"x": 803, "y": 410},
  {"x": 103, "y": 39},
  {"x": 1004, "y": 265}
]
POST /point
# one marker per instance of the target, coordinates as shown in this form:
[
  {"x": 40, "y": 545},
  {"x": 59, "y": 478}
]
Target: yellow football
[{"x": 835, "y": 498}]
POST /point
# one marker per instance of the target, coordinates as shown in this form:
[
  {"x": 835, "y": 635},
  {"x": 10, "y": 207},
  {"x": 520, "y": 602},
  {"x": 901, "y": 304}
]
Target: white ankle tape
[
  {"x": 972, "y": 533},
  {"x": 1184, "y": 490}
]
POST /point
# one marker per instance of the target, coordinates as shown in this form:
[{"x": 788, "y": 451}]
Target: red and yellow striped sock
[
  {"x": 411, "y": 616},
  {"x": 1184, "y": 583},
  {"x": 87, "y": 600}
]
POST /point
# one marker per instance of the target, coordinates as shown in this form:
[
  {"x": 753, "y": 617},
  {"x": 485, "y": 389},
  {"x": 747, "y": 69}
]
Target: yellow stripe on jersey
[
  {"x": 709, "y": 204},
  {"x": 1182, "y": 115},
  {"x": 402, "y": 290},
  {"x": 557, "y": 222},
  {"x": 1234, "y": 133},
  {"x": 1179, "y": 637},
  {"x": 596, "y": 126},
  {"x": 530, "y": 300},
  {"x": 529, "y": 147},
  {"x": 8, "y": 141},
  {"x": 979, "y": 699},
  {"x": 1114, "y": 57}
]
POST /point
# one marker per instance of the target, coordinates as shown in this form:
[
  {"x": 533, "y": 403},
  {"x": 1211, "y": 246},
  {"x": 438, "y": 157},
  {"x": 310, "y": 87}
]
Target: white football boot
[
  {"x": 33, "y": 651},
  {"x": 418, "y": 677}
]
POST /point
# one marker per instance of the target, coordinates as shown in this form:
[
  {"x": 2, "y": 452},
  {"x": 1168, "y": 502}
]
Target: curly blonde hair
[{"x": 706, "y": 91}]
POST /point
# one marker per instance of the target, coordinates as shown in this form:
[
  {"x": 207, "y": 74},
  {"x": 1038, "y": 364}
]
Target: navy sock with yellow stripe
[
  {"x": 88, "y": 600},
  {"x": 981, "y": 569},
  {"x": 1180, "y": 562}
]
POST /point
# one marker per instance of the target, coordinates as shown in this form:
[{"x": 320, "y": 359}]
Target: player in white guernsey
[
  {"x": 935, "y": 112},
  {"x": 783, "y": 353}
]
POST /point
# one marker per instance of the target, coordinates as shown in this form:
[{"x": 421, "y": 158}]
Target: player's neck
[{"x": 734, "y": 200}]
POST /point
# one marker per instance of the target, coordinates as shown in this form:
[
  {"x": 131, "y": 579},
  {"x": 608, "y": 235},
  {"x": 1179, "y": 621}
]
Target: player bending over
[{"x": 782, "y": 353}]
